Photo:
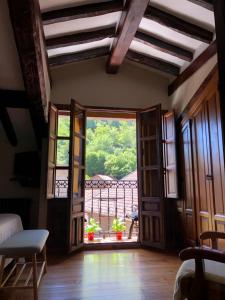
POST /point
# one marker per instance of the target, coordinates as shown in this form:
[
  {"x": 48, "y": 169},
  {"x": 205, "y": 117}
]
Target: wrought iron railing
[{"x": 106, "y": 200}]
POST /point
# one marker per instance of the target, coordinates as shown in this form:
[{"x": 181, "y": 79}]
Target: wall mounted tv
[{"x": 27, "y": 168}]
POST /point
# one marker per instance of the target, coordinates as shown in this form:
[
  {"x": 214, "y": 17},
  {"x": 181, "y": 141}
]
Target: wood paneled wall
[{"x": 203, "y": 191}]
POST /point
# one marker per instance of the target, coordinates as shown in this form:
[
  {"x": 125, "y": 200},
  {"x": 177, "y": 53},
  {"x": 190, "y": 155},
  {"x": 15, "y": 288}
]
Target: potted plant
[
  {"x": 91, "y": 228},
  {"x": 118, "y": 226}
]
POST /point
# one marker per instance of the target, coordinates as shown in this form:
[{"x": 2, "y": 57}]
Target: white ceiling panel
[
  {"x": 169, "y": 35},
  {"x": 147, "y": 50},
  {"x": 84, "y": 24},
  {"x": 57, "y": 4},
  {"x": 79, "y": 48},
  {"x": 188, "y": 11}
]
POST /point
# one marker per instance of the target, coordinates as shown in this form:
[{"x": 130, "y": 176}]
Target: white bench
[{"x": 24, "y": 244}]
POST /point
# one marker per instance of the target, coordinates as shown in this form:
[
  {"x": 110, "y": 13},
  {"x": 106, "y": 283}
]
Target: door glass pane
[
  {"x": 62, "y": 153},
  {"x": 148, "y": 124},
  {"x": 150, "y": 183},
  {"x": 79, "y": 123},
  {"x": 61, "y": 183},
  {"x": 63, "y": 126},
  {"x": 149, "y": 153}
]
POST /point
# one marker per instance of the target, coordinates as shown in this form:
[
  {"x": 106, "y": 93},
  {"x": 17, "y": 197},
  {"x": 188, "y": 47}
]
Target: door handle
[{"x": 209, "y": 177}]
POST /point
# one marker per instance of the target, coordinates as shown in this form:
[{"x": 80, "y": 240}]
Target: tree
[
  {"x": 95, "y": 163},
  {"x": 121, "y": 163}
]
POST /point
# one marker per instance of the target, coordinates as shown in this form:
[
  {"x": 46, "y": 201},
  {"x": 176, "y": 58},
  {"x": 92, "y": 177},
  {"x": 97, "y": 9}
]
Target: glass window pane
[
  {"x": 64, "y": 125},
  {"x": 62, "y": 152},
  {"x": 61, "y": 184}
]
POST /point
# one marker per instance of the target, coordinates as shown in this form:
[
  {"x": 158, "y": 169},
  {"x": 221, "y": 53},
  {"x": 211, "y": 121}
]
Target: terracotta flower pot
[
  {"x": 119, "y": 236},
  {"x": 91, "y": 236}
]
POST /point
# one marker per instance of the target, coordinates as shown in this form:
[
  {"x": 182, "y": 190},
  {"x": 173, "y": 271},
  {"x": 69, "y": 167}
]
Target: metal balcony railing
[{"x": 106, "y": 200}]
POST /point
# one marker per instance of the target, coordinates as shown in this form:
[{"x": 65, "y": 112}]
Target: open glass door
[
  {"x": 150, "y": 177},
  {"x": 53, "y": 117},
  {"x": 76, "y": 177}
]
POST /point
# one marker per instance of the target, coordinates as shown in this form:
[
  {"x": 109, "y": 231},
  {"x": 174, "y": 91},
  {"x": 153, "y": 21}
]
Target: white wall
[
  {"x": 88, "y": 83},
  {"x": 26, "y": 142},
  {"x": 186, "y": 91}
]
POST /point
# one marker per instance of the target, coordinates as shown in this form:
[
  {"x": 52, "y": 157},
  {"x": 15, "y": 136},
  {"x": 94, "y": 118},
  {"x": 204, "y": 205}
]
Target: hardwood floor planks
[{"x": 122, "y": 274}]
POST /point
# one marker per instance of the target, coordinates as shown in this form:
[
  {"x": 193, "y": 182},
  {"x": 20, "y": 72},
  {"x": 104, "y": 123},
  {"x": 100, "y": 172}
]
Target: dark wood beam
[
  {"x": 80, "y": 38},
  {"x": 26, "y": 21},
  {"x": 13, "y": 98},
  {"x": 179, "y": 25},
  {"x": 84, "y": 11},
  {"x": 163, "y": 46},
  {"x": 192, "y": 68},
  {"x": 219, "y": 14},
  {"x": 153, "y": 63},
  {"x": 204, "y": 3},
  {"x": 127, "y": 29},
  {"x": 76, "y": 57},
  {"x": 8, "y": 126}
]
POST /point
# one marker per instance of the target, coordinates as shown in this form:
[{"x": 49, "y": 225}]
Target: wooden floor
[{"x": 102, "y": 275}]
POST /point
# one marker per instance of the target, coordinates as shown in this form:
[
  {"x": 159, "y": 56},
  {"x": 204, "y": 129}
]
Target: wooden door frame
[{"x": 117, "y": 113}]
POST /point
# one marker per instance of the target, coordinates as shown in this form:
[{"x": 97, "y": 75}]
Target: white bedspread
[{"x": 9, "y": 225}]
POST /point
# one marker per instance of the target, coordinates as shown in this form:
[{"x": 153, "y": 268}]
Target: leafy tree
[
  {"x": 110, "y": 146},
  {"x": 95, "y": 163},
  {"x": 121, "y": 163}
]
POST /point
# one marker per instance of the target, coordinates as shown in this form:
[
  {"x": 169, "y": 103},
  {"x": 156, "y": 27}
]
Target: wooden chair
[{"x": 202, "y": 275}]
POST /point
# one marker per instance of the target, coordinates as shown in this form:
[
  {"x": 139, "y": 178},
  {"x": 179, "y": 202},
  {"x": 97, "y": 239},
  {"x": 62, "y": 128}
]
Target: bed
[{"x": 9, "y": 225}]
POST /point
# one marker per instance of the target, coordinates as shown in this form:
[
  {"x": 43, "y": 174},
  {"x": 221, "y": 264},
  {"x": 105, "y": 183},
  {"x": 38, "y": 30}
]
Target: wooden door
[
  {"x": 217, "y": 175},
  {"x": 150, "y": 177},
  {"x": 188, "y": 195},
  {"x": 170, "y": 156},
  {"x": 76, "y": 177},
  {"x": 203, "y": 171},
  {"x": 53, "y": 121}
]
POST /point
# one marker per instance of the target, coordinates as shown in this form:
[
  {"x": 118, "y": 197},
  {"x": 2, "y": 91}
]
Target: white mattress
[{"x": 9, "y": 225}]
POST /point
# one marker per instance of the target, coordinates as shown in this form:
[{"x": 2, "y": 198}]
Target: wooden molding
[
  {"x": 209, "y": 83},
  {"x": 13, "y": 98},
  {"x": 79, "y": 56},
  {"x": 179, "y": 25},
  {"x": 26, "y": 21},
  {"x": 80, "y": 38},
  {"x": 204, "y": 3},
  {"x": 192, "y": 68},
  {"x": 129, "y": 23},
  {"x": 8, "y": 126},
  {"x": 153, "y": 63},
  {"x": 84, "y": 11},
  {"x": 163, "y": 46}
]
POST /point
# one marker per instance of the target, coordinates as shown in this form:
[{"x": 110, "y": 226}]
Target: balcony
[{"x": 106, "y": 200}]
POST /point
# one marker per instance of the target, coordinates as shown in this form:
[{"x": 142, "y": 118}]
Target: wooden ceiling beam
[
  {"x": 13, "y": 98},
  {"x": 163, "y": 46},
  {"x": 129, "y": 23},
  {"x": 8, "y": 126},
  {"x": 26, "y": 21},
  {"x": 84, "y": 11},
  {"x": 80, "y": 38},
  {"x": 204, "y": 3},
  {"x": 192, "y": 68},
  {"x": 153, "y": 63},
  {"x": 179, "y": 25},
  {"x": 79, "y": 56}
]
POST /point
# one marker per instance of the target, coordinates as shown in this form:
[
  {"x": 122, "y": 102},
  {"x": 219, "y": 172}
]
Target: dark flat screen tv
[{"x": 27, "y": 168}]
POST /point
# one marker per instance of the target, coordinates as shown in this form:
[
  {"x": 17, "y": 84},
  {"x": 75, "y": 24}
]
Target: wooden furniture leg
[
  {"x": 35, "y": 287},
  {"x": 2, "y": 269},
  {"x": 45, "y": 259}
]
